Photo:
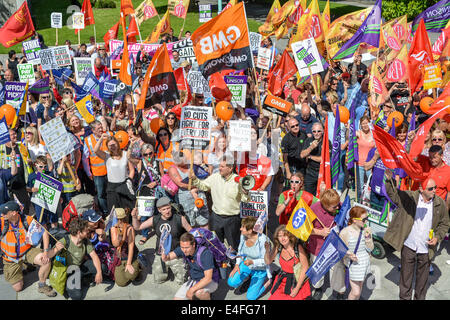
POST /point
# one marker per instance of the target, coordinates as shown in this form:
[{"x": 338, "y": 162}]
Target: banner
[
  {"x": 31, "y": 49},
  {"x": 4, "y": 132},
  {"x": 195, "y": 126},
  {"x": 85, "y": 108},
  {"x": 55, "y": 58},
  {"x": 256, "y": 206},
  {"x": 435, "y": 17},
  {"x": 13, "y": 91},
  {"x": 239, "y": 132},
  {"x": 264, "y": 58},
  {"x": 432, "y": 76},
  {"x": 49, "y": 192},
  {"x": 223, "y": 42},
  {"x": 238, "y": 87},
  {"x": 82, "y": 68},
  {"x": 277, "y": 105},
  {"x": 307, "y": 57},
  {"x": 26, "y": 73},
  {"x": 56, "y": 20},
  {"x": 205, "y": 12},
  {"x": 146, "y": 206},
  {"x": 18, "y": 27},
  {"x": 185, "y": 50},
  {"x": 57, "y": 140},
  {"x": 178, "y": 8},
  {"x": 332, "y": 251},
  {"x": 198, "y": 83},
  {"x": 300, "y": 222},
  {"x": 78, "y": 20}
]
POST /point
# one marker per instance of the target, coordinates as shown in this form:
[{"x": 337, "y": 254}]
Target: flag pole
[
  {"x": 356, "y": 181},
  {"x": 182, "y": 28},
  {"x": 139, "y": 30},
  {"x": 56, "y": 43},
  {"x": 95, "y": 35}
]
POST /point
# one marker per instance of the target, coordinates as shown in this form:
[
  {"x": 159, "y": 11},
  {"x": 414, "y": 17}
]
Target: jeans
[
  {"x": 258, "y": 278},
  {"x": 362, "y": 176},
  {"x": 100, "y": 186}
]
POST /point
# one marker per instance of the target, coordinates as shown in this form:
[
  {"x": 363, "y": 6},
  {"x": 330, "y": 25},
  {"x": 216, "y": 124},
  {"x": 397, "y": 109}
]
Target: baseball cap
[
  {"x": 9, "y": 206},
  {"x": 91, "y": 216},
  {"x": 164, "y": 201}
]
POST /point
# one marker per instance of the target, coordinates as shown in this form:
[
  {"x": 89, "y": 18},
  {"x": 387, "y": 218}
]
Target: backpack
[
  {"x": 77, "y": 205},
  {"x": 207, "y": 240}
]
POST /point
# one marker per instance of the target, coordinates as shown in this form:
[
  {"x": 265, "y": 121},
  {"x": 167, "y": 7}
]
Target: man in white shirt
[{"x": 420, "y": 221}]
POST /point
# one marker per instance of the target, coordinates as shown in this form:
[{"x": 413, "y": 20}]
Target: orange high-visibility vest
[
  {"x": 9, "y": 242},
  {"x": 98, "y": 166}
]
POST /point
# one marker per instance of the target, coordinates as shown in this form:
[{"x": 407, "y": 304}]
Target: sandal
[{"x": 142, "y": 241}]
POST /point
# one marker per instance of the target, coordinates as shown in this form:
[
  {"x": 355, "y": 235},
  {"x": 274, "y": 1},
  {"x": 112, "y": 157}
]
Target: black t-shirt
[
  {"x": 18, "y": 181},
  {"x": 400, "y": 98},
  {"x": 311, "y": 165},
  {"x": 292, "y": 145},
  {"x": 175, "y": 228}
]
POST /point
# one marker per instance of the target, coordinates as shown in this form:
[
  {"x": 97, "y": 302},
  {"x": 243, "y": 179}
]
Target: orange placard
[
  {"x": 277, "y": 105},
  {"x": 432, "y": 76},
  {"x": 115, "y": 67}
]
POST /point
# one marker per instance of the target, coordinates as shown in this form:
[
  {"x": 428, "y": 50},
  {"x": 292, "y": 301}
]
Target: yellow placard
[{"x": 432, "y": 76}]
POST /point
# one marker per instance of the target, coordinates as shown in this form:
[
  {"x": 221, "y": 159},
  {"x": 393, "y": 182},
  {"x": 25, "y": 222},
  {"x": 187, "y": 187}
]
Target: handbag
[
  {"x": 168, "y": 185},
  {"x": 58, "y": 274}
]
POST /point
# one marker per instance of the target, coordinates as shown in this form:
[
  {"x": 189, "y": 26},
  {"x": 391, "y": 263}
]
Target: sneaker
[
  {"x": 48, "y": 291},
  {"x": 317, "y": 294}
]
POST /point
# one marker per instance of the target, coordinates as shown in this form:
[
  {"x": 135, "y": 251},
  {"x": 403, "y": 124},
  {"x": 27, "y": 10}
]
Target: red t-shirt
[{"x": 442, "y": 178}]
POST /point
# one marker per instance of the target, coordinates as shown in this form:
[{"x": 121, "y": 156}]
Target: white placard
[
  {"x": 195, "y": 127},
  {"x": 205, "y": 12},
  {"x": 57, "y": 139},
  {"x": 306, "y": 55},
  {"x": 264, "y": 58},
  {"x": 256, "y": 206},
  {"x": 146, "y": 206},
  {"x": 255, "y": 41},
  {"x": 82, "y": 68},
  {"x": 78, "y": 20},
  {"x": 56, "y": 20},
  {"x": 198, "y": 83},
  {"x": 56, "y": 57},
  {"x": 49, "y": 192},
  {"x": 240, "y": 135}
]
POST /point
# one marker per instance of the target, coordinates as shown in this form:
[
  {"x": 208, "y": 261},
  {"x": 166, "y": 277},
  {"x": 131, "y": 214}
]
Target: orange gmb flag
[
  {"x": 223, "y": 42},
  {"x": 159, "y": 82},
  {"x": 178, "y": 8},
  {"x": 111, "y": 34},
  {"x": 86, "y": 9},
  {"x": 146, "y": 10},
  {"x": 125, "y": 68},
  {"x": 126, "y": 7},
  {"x": 162, "y": 27},
  {"x": 17, "y": 28},
  {"x": 420, "y": 54}
]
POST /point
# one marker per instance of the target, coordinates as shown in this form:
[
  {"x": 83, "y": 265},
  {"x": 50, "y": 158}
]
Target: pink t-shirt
[{"x": 364, "y": 146}]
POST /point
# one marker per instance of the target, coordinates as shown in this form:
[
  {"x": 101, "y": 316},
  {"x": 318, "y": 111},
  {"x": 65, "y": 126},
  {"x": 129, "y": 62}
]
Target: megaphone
[{"x": 247, "y": 183}]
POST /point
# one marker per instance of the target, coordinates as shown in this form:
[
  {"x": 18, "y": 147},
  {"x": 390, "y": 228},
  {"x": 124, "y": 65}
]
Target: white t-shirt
[
  {"x": 36, "y": 151},
  {"x": 117, "y": 170}
]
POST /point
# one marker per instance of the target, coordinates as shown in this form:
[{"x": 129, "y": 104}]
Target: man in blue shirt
[{"x": 201, "y": 268}]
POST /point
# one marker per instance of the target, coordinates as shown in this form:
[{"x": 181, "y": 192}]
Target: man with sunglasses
[
  {"x": 420, "y": 221},
  {"x": 311, "y": 152},
  {"x": 291, "y": 146}
]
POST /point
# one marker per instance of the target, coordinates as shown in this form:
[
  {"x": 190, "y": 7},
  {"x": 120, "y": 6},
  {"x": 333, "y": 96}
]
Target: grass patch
[{"x": 106, "y": 18}]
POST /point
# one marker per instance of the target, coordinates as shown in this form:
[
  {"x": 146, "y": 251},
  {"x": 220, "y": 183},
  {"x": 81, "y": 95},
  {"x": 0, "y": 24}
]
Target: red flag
[
  {"x": 86, "y": 9},
  {"x": 418, "y": 143},
  {"x": 125, "y": 68},
  {"x": 132, "y": 31},
  {"x": 219, "y": 88},
  {"x": 278, "y": 76},
  {"x": 420, "y": 54},
  {"x": 394, "y": 155},
  {"x": 325, "y": 169},
  {"x": 126, "y": 7},
  {"x": 111, "y": 34},
  {"x": 17, "y": 28}
]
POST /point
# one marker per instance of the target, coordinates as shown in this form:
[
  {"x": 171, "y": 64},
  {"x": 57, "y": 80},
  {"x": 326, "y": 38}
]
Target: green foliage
[
  {"x": 395, "y": 8},
  {"x": 101, "y": 4}
]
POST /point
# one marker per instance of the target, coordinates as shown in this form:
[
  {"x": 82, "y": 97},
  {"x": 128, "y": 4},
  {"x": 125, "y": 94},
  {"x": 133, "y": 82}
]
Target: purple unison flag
[
  {"x": 352, "y": 154},
  {"x": 435, "y": 17},
  {"x": 392, "y": 129},
  {"x": 336, "y": 150},
  {"x": 368, "y": 32},
  {"x": 41, "y": 86}
]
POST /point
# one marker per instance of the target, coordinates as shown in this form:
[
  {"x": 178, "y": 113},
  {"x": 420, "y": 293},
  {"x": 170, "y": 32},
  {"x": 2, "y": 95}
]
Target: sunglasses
[
  {"x": 295, "y": 181},
  {"x": 40, "y": 166},
  {"x": 438, "y": 139},
  {"x": 170, "y": 118},
  {"x": 28, "y": 132},
  {"x": 316, "y": 131},
  {"x": 68, "y": 92},
  {"x": 294, "y": 125},
  {"x": 148, "y": 154},
  {"x": 432, "y": 188},
  {"x": 163, "y": 134},
  {"x": 45, "y": 97},
  {"x": 363, "y": 220}
]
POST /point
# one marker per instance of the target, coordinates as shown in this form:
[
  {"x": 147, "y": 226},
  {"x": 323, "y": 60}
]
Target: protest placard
[
  {"x": 115, "y": 67},
  {"x": 307, "y": 57},
  {"x": 146, "y": 206},
  {"x": 48, "y": 61},
  {"x": 82, "y": 68},
  {"x": 264, "y": 58},
  {"x": 239, "y": 132},
  {"x": 62, "y": 56},
  {"x": 13, "y": 90},
  {"x": 185, "y": 50},
  {"x": 26, "y": 73},
  {"x": 78, "y": 20},
  {"x": 4, "y": 131},
  {"x": 432, "y": 76},
  {"x": 195, "y": 127},
  {"x": 198, "y": 83},
  {"x": 277, "y": 105},
  {"x": 205, "y": 12},
  {"x": 56, "y": 20},
  {"x": 255, "y": 41},
  {"x": 31, "y": 49},
  {"x": 256, "y": 206},
  {"x": 134, "y": 48},
  {"x": 49, "y": 192},
  {"x": 56, "y": 138},
  {"x": 238, "y": 87}
]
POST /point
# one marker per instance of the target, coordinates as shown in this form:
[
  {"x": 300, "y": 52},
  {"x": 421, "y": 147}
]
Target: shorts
[
  {"x": 13, "y": 270},
  {"x": 181, "y": 293}
]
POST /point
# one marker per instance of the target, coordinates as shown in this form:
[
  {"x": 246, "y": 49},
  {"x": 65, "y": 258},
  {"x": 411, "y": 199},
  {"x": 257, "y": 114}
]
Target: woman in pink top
[{"x": 365, "y": 144}]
